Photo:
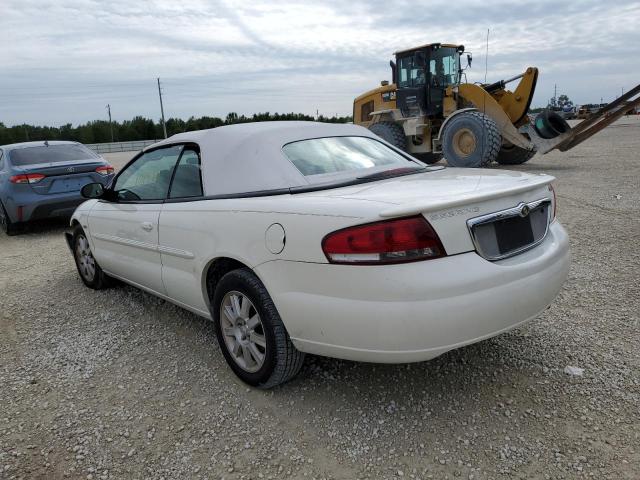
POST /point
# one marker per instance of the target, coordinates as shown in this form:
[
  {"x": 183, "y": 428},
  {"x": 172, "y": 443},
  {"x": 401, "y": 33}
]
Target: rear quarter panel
[{"x": 193, "y": 234}]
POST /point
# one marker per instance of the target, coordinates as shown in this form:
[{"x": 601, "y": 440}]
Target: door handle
[{"x": 147, "y": 226}]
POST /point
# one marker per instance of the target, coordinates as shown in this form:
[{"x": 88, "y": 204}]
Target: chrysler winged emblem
[
  {"x": 524, "y": 211},
  {"x": 71, "y": 169}
]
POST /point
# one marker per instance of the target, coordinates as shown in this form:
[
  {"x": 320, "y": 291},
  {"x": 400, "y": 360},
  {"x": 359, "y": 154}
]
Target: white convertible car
[{"x": 299, "y": 237}]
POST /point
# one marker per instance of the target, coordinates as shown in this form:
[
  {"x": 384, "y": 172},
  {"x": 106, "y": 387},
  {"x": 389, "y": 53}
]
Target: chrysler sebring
[{"x": 301, "y": 237}]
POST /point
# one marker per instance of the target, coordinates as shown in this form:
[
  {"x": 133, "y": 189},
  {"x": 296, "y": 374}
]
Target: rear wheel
[
  {"x": 471, "y": 139},
  {"x": 90, "y": 272},
  {"x": 391, "y": 133},
  {"x": 251, "y": 334},
  {"x": 513, "y": 155},
  {"x": 6, "y": 224}
]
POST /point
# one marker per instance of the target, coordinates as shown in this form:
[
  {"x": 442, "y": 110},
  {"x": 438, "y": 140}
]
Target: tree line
[{"x": 141, "y": 128}]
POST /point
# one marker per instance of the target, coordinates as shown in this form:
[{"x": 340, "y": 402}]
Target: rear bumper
[
  {"x": 23, "y": 208},
  {"x": 417, "y": 311}
]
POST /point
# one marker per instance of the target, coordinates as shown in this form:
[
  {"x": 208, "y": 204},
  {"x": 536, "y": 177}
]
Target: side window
[
  {"x": 411, "y": 72},
  {"x": 405, "y": 71},
  {"x": 187, "y": 180},
  {"x": 149, "y": 176},
  {"x": 365, "y": 110}
]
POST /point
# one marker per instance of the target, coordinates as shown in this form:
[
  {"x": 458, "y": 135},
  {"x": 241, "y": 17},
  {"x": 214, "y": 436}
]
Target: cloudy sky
[{"x": 64, "y": 60}]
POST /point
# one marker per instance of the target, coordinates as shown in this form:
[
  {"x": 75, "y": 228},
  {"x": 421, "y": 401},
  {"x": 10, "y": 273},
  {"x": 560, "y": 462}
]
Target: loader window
[
  {"x": 444, "y": 67},
  {"x": 411, "y": 73}
]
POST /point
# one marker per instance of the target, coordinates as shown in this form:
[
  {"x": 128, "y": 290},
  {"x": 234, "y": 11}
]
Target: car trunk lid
[
  {"x": 61, "y": 177},
  {"x": 451, "y": 199}
]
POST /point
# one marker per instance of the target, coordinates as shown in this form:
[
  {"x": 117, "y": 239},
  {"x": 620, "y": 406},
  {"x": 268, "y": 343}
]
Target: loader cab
[{"x": 422, "y": 75}]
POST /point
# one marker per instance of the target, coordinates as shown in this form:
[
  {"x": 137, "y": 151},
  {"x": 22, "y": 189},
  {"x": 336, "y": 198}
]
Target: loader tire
[
  {"x": 390, "y": 133},
  {"x": 471, "y": 140},
  {"x": 512, "y": 155}
]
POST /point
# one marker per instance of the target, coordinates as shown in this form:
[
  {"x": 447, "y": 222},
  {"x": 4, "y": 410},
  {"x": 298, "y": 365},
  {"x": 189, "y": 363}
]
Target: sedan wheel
[
  {"x": 243, "y": 331},
  {"x": 90, "y": 272},
  {"x": 251, "y": 335},
  {"x": 86, "y": 263},
  {"x": 6, "y": 225}
]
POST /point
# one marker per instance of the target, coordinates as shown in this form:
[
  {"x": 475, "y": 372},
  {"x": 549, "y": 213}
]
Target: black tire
[
  {"x": 471, "y": 139},
  {"x": 98, "y": 280},
  {"x": 548, "y": 124},
  {"x": 391, "y": 133},
  {"x": 282, "y": 361},
  {"x": 6, "y": 224},
  {"x": 513, "y": 155}
]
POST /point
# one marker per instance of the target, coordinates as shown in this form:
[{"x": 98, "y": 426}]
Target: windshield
[
  {"x": 444, "y": 67},
  {"x": 333, "y": 155},
  {"x": 51, "y": 154}
]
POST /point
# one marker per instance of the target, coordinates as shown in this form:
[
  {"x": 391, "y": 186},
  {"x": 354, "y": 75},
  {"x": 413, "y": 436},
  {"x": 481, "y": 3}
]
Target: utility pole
[
  {"x": 110, "y": 124},
  {"x": 164, "y": 125}
]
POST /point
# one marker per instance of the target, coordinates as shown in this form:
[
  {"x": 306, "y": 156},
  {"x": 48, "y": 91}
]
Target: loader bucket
[{"x": 597, "y": 121}]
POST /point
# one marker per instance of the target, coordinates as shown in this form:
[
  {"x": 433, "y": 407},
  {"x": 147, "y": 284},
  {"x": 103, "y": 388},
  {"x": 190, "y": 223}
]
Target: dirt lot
[{"x": 119, "y": 384}]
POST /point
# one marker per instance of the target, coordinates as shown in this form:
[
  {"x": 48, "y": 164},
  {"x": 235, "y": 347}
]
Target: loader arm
[
  {"x": 588, "y": 127},
  {"x": 601, "y": 119},
  {"x": 517, "y": 103},
  {"x": 485, "y": 103}
]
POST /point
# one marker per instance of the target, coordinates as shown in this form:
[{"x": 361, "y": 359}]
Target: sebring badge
[{"x": 71, "y": 169}]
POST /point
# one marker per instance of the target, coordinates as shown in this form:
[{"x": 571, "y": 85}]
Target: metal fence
[{"x": 134, "y": 146}]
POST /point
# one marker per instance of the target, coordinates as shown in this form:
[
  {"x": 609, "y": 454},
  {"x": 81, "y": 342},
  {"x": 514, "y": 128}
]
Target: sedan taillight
[
  {"x": 105, "y": 170},
  {"x": 390, "y": 241},
  {"x": 26, "y": 178},
  {"x": 555, "y": 201}
]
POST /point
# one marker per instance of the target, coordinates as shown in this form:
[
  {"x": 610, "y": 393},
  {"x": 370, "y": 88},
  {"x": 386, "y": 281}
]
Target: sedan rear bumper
[
  {"x": 39, "y": 207},
  {"x": 416, "y": 311}
]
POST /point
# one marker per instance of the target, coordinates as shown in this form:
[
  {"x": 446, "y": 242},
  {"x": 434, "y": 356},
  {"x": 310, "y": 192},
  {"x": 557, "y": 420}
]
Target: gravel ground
[{"x": 119, "y": 384}]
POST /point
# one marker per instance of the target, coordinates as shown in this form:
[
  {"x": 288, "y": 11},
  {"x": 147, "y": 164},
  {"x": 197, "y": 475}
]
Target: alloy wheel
[
  {"x": 243, "y": 331},
  {"x": 86, "y": 262}
]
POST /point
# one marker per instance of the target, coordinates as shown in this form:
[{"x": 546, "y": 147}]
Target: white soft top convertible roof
[{"x": 248, "y": 157}]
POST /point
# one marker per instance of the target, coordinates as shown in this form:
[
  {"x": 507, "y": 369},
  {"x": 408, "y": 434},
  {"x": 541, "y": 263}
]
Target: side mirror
[
  {"x": 469, "y": 60},
  {"x": 92, "y": 190}
]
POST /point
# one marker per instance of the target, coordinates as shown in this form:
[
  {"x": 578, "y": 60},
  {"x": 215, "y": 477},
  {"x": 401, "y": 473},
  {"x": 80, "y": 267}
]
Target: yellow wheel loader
[{"x": 428, "y": 111}]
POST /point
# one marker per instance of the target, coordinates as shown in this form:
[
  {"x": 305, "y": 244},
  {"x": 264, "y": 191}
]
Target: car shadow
[{"x": 462, "y": 376}]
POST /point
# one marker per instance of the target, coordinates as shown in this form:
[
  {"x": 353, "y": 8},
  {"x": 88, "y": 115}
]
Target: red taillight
[
  {"x": 105, "y": 170},
  {"x": 555, "y": 201},
  {"x": 391, "y": 241},
  {"x": 26, "y": 178}
]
